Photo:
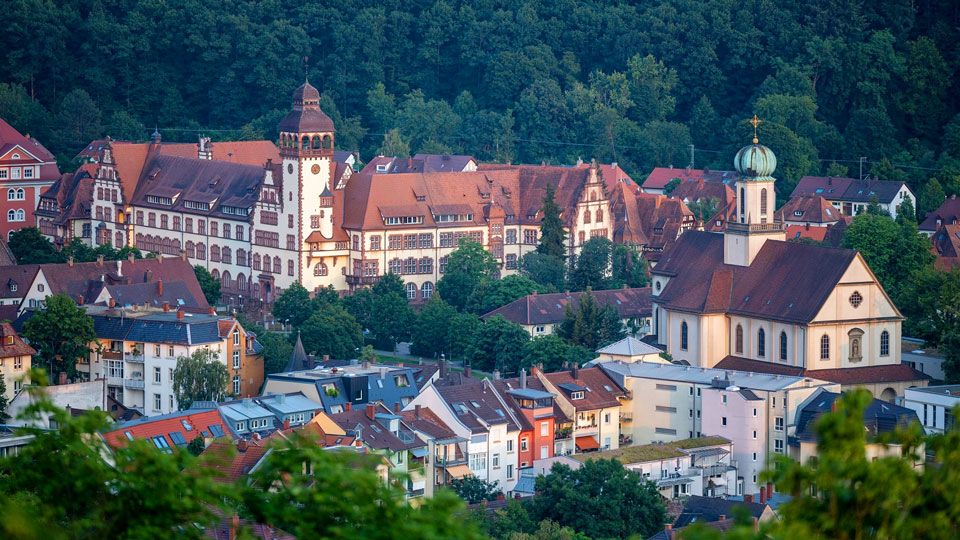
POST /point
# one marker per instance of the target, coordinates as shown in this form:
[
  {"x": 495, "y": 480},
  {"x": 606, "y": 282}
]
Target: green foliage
[
  {"x": 390, "y": 317},
  {"x": 293, "y": 305},
  {"x": 591, "y": 326},
  {"x": 474, "y": 490},
  {"x": 467, "y": 266},
  {"x": 61, "y": 332},
  {"x": 431, "y": 336},
  {"x": 29, "y": 246},
  {"x": 81, "y": 252},
  {"x": 276, "y": 350},
  {"x": 552, "y": 352},
  {"x": 893, "y": 251},
  {"x": 209, "y": 285},
  {"x": 931, "y": 197},
  {"x": 704, "y": 208},
  {"x": 547, "y": 271},
  {"x": 627, "y": 267},
  {"x": 332, "y": 331},
  {"x": 494, "y": 293},
  {"x": 199, "y": 377},
  {"x": 196, "y": 446},
  {"x": 552, "y": 233},
  {"x": 600, "y": 500},
  {"x": 671, "y": 185},
  {"x": 592, "y": 266},
  {"x": 3, "y": 400},
  {"x": 498, "y": 344}
]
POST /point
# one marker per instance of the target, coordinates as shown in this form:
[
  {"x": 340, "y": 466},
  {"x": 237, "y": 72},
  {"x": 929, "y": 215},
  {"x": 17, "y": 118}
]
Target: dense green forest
[{"x": 548, "y": 80}]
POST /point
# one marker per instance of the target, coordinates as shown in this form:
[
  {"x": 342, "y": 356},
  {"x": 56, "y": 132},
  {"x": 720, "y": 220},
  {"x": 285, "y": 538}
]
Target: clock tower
[{"x": 306, "y": 150}]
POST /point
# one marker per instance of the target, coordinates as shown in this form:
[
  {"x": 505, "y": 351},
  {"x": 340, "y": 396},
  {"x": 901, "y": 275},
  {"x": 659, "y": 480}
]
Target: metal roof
[{"x": 703, "y": 376}]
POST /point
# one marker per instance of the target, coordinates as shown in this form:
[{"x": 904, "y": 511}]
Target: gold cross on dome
[{"x": 756, "y": 122}]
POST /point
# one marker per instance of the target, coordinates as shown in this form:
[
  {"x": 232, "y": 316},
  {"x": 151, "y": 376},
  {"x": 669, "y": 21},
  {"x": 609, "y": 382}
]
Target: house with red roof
[
  {"x": 173, "y": 431},
  {"x": 946, "y": 244},
  {"x": 590, "y": 401},
  {"x": 851, "y": 195},
  {"x": 27, "y": 168},
  {"x": 947, "y": 214}
]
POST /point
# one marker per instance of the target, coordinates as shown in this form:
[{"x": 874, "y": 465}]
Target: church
[{"x": 746, "y": 299}]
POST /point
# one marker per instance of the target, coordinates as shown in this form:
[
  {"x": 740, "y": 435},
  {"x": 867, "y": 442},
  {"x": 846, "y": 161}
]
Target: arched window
[
  {"x": 256, "y": 261},
  {"x": 11, "y": 216},
  {"x": 761, "y": 343},
  {"x": 739, "y": 339},
  {"x": 20, "y": 194},
  {"x": 426, "y": 290},
  {"x": 305, "y": 143},
  {"x": 225, "y": 280},
  {"x": 884, "y": 343},
  {"x": 10, "y": 234},
  {"x": 277, "y": 267},
  {"x": 683, "y": 336},
  {"x": 783, "y": 346},
  {"x": 241, "y": 283},
  {"x": 320, "y": 269},
  {"x": 824, "y": 347},
  {"x": 763, "y": 202},
  {"x": 743, "y": 204},
  {"x": 599, "y": 216},
  {"x": 215, "y": 274},
  {"x": 316, "y": 142},
  {"x": 214, "y": 253},
  {"x": 411, "y": 289},
  {"x": 327, "y": 142},
  {"x": 11, "y": 194}
]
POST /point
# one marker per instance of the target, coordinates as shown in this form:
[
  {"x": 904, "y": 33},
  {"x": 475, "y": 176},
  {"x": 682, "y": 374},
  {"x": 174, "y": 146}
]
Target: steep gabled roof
[
  {"x": 811, "y": 209},
  {"x": 600, "y": 391},
  {"x": 171, "y": 428},
  {"x": 844, "y": 376},
  {"x": 947, "y": 214},
  {"x": 298, "y": 357},
  {"x": 477, "y": 406},
  {"x": 878, "y": 417},
  {"x": 18, "y": 277},
  {"x": 883, "y": 191},
  {"x": 829, "y": 187}
]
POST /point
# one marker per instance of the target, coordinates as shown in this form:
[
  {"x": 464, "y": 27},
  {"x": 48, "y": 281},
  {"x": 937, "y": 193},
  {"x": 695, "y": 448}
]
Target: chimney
[
  {"x": 326, "y": 357},
  {"x": 100, "y": 260},
  {"x": 212, "y": 310},
  {"x": 113, "y": 303},
  {"x": 347, "y": 406},
  {"x": 166, "y": 307},
  {"x": 722, "y": 517},
  {"x": 443, "y": 367},
  {"x": 70, "y": 261},
  {"x": 576, "y": 371},
  {"x": 131, "y": 257},
  {"x": 183, "y": 254},
  {"x": 234, "y": 526},
  {"x": 496, "y": 374},
  {"x": 748, "y": 498},
  {"x": 534, "y": 293},
  {"x": 466, "y": 371},
  {"x": 523, "y": 379},
  {"x": 180, "y": 314},
  {"x": 80, "y": 300},
  {"x": 160, "y": 287},
  {"x": 763, "y": 495},
  {"x": 535, "y": 370},
  {"x": 371, "y": 411},
  {"x": 769, "y": 489},
  {"x": 808, "y": 226},
  {"x": 365, "y": 364},
  {"x": 396, "y": 407},
  {"x": 409, "y": 162},
  {"x": 416, "y": 410},
  {"x": 286, "y": 424},
  {"x": 63, "y": 378},
  {"x": 242, "y": 445}
]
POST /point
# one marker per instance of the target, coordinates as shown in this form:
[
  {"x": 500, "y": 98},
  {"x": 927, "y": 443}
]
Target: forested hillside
[{"x": 834, "y": 80}]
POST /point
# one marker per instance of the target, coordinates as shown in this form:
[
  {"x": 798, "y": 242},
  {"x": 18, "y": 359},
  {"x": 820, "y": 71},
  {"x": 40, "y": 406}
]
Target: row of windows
[
  {"x": 411, "y": 265},
  {"x": 16, "y": 194},
  {"x": 16, "y": 215},
  {"x": 241, "y": 284},
  {"x": 15, "y": 172},
  {"x": 855, "y": 345},
  {"x": 215, "y": 229},
  {"x": 586, "y": 216},
  {"x": 426, "y": 290},
  {"x": 106, "y": 194}
]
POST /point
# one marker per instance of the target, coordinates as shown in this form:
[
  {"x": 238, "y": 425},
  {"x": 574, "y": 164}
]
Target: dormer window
[
  {"x": 381, "y": 168},
  {"x": 798, "y": 213},
  {"x": 576, "y": 395}
]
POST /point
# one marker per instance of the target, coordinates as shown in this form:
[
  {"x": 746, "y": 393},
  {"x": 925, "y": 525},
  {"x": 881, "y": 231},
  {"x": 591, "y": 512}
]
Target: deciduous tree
[
  {"x": 62, "y": 334},
  {"x": 199, "y": 377}
]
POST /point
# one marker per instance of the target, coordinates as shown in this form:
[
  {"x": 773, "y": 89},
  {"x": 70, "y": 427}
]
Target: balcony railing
[
  {"x": 440, "y": 462},
  {"x": 626, "y": 417},
  {"x": 715, "y": 470},
  {"x": 405, "y": 438},
  {"x": 136, "y": 359},
  {"x": 136, "y": 384},
  {"x": 755, "y": 227},
  {"x": 362, "y": 280},
  {"x": 112, "y": 355}
]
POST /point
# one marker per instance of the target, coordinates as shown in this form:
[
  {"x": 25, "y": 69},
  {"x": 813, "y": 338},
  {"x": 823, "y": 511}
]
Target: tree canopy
[
  {"x": 199, "y": 377},
  {"x": 61, "y": 332}
]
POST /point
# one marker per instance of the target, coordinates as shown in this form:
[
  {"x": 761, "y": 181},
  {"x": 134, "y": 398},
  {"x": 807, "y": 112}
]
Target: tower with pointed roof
[
  {"x": 756, "y": 204},
  {"x": 306, "y": 137}
]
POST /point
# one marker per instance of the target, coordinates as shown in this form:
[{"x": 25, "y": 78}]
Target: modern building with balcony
[
  {"x": 590, "y": 402},
  {"x": 446, "y": 454}
]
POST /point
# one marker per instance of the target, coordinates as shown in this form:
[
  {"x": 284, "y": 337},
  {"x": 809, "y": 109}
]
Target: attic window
[
  {"x": 166, "y": 201},
  {"x": 381, "y": 168},
  {"x": 856, "y": 299},
  {"x": 475, "y": 404},
  {"x": 403, "y": 220},
  {"x": 421, "y": 198},
  {"x": 196, "y": 205},
  {"x": 576, "y": 395},
  {"x": 798, "y": 213}
]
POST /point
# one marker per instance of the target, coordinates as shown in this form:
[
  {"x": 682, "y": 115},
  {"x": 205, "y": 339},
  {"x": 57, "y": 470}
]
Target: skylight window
[
  {"x": 128, "y": 434},
  {"x": 186, "y": 425},
  {"x": 475, "y": 404},
  {"x": 499, "y": 412}
]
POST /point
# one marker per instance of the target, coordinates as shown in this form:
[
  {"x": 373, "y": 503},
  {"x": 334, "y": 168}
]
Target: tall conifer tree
[{"x": 552, "y": 235}]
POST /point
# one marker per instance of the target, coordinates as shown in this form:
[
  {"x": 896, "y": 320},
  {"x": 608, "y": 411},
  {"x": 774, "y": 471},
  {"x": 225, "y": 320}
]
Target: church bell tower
[{"x": 756, "y": 204}]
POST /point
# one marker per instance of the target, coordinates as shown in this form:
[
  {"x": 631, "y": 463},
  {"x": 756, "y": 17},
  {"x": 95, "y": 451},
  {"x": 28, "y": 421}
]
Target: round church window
[{"x": 855, "y": 299}]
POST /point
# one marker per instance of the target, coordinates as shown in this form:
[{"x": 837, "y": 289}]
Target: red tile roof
[
  {"x": 802, "y": 231},
  {"x": 947, "y": 214},
  {"x": 829, "y": 187},
  {"x": 229, "y": 463},
  {"x": 596, "y": 380},
  {"x": 812, "y": 208},
  {"x": 149, "y": 427},
  {"x": 851, "y": 375},
  {"x": 17, "y": 347},
  {"x": 551, "y": 308},
  {"x": 428, "y": 422}
]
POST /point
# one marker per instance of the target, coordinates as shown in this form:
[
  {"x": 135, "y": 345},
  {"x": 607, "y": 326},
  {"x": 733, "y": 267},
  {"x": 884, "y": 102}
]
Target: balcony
[
  {"x": 112, "y": 355},
  {"x": 362, "y": 280},
  {"x": 715, "y": 470},
  {"x": 460, "y": 460},
  {"x": 563, "y": 433},
  {"x": 776, "y": 226},
  {"x": 133, "y": 384},
  {"x": 626, "y": 417},
  {"x": 133, "y": 358}
]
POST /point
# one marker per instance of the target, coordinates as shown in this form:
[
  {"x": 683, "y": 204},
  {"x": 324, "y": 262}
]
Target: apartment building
[
  {"x": 356, "y": 384},
  {"x": 590, "y": 401},
  {"x": 16, "y": 358},
  {"x": 477, "y": 412},
  {"x": 136, "y": 352},
  {"x": 446, "y": 457},
  {"x": 934, "y": 406}
]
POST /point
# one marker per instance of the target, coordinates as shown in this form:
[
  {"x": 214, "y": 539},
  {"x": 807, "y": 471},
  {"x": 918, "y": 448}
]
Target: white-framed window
[
  {"x": 723, "y": 420},
  {"x": 544, "y": 426},
  {"x": 510, "y": 445},
  {"x": 236, "y": 337},
  {"x": 754, "y": 412},
  {"x": 156, "y": 375},
  {"x": 509, "y": 471},
  {"x": 115, "y": 369},
  {"x": 523, "y": 445},
  {"x": 3, "y": 174},
  {"x": 496, "y": 460},
  {"x": 540, "y": 329},
  {"x": 778, "y": 446},
  {"x": 236, "y": 384},
  {"x": 478, "y": 461},
  {"x": 606, "y": 418},
  {"x": 28, "y": 172},
  {"x": 754, "y": 456},
  {"x": 15, "y": 173},
  {"x": 236, "y": 359},
  {"x": 156, "y": 351},
  {"x": 778, "y": 423},
  {"x": 170, "y": 351},
  {"x": 156, "y": 402},
  {"x": 11, "y": 194},
  {"x": 171, "y": 403},
  {"x": 754, "y": 434}
]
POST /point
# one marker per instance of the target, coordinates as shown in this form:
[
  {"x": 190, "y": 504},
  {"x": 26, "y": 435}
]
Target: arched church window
[
  {"x": 761, "y": 343},
  {"x": 320, "y": 269},
  {"x": 884, "y": 343},
  {"x": 783, "y": 346},
  {"x": 763, "y": 202},
  {"x": 684, "y": 337},
  {"x": 739, "y": 339},
  {"x": 743, "y": 204},
  {"x": 825, "y": 347},
  {"x": 411, "y": 289}
]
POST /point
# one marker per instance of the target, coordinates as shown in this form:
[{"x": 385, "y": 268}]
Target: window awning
[
  {"x": 459, "y": 471},
  {"x": 420, "y": 452},
  {"x": 587, "y": 443}
]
